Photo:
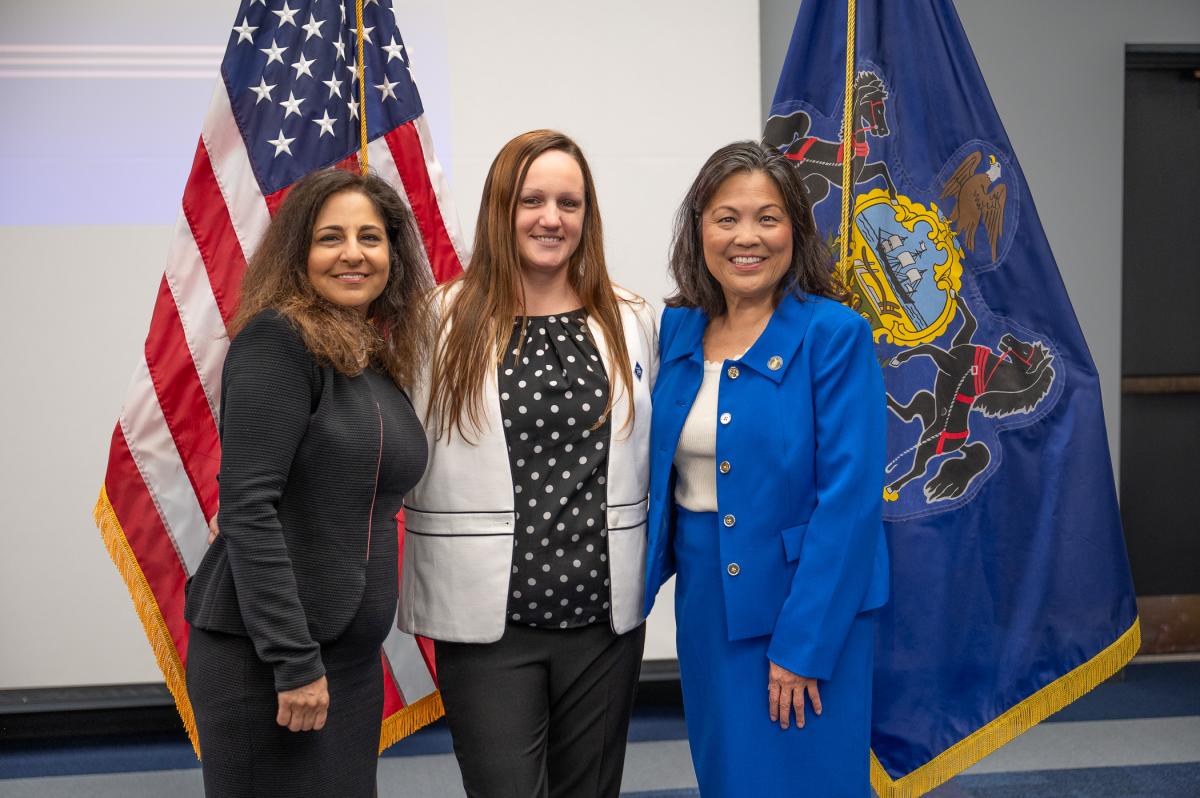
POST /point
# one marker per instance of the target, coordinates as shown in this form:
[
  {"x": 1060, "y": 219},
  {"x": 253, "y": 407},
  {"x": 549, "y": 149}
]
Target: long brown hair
[
  {"x": 811, "y": 269},
  {"x": 396, "y": 333},
  {"x": 477, "y": 321}
]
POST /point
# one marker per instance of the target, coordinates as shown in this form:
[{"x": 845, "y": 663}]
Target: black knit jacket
[{"x": 301, "y": 496}]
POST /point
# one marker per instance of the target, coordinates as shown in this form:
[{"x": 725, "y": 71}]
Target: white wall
[
  {"x": 648, "y": 89},
  {"x": 1056, "y": 71}
]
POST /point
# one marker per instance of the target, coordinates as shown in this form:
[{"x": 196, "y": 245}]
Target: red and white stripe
[{"x": 165, "y": 452}]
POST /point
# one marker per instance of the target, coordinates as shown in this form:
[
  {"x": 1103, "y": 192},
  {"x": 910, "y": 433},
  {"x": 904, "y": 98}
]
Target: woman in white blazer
[{"x": 524, "y": 556}]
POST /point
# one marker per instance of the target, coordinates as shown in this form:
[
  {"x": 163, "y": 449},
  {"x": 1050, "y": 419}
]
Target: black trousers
[{"x": 541, "y": 713}]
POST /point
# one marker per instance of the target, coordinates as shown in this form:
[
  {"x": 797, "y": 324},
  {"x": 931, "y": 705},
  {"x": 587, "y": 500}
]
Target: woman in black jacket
[{"x": 319, "y": 445}]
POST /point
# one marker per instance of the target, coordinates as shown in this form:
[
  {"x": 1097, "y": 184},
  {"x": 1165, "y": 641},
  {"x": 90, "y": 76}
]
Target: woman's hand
[
  {"x": 305, "y": 708},
  {"x": 213, "y": 529},
  {"x": 786, "y": 690}
]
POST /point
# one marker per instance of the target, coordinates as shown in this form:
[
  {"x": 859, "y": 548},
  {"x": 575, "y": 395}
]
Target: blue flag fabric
[{"x": 1011, "y": 589}]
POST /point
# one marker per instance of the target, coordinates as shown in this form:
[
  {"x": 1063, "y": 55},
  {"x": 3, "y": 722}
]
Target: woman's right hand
[
  {"x": 213, "y": 529},
  {"x": 304, "y": 708}
]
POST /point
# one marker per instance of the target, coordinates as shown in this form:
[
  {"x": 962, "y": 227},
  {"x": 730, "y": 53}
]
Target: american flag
[{"x": 287, "y": 103}]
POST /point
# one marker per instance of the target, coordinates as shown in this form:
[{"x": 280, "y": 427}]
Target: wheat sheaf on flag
[{"x": 294, "y": 89}]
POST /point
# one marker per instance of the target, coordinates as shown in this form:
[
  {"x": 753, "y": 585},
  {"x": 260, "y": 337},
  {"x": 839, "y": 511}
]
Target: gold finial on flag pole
[
  {"x": 362, "y": 90},
  {"x": 843, "y": 267}
]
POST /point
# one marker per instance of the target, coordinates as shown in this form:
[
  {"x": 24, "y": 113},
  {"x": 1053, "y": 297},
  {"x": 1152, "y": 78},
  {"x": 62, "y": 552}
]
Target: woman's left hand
[{"x": 786, "y": 691}]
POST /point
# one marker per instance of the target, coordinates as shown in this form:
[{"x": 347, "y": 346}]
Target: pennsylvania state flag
[{"x": 1011, "y": 592}]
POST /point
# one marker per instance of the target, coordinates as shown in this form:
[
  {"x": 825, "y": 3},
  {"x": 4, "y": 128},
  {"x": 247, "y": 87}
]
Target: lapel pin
[{"x": 775, "y": 363}]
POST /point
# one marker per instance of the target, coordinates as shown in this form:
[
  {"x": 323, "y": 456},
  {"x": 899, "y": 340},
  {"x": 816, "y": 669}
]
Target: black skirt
[{"x": 244, "y": 753}]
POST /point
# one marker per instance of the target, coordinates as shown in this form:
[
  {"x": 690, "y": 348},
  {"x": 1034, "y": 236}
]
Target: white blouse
[{"x": 695, "y": 456}]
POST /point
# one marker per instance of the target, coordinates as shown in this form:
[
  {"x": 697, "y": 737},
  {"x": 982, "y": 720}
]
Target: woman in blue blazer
[{"x": 767, "y": 456}]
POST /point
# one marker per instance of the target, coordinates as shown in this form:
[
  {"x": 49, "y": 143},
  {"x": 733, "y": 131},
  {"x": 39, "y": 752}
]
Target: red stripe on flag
[
  {"x": 405, "y": 144},
  {"x": 392, "y": 700},
  {"x": 207, "y": 215},
  {"x": 276, "y": 199},
  {"x": 426, "y": 647},
  {"x": 147, "y": 538},
  {"x": 350, "y": 164},
  {"x": 182, "y": 399}
]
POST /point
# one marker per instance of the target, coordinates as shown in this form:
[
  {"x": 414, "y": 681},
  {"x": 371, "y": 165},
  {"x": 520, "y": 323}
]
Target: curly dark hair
[
  {"x": 811, "y": 269},
  {"x": 397, "y": 330}
]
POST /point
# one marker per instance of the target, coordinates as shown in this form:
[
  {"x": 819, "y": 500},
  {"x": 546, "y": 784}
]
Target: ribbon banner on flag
[
  {"x": 296, "y": 92},
  {"x": 1011, "y": 590}
]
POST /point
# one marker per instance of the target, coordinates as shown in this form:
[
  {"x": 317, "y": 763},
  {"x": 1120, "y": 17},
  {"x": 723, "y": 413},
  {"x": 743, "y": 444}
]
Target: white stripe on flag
[
  {"x": 153, "y": 449},
  {"x": 198, "y": 311},
  {"x": 231, "y": 165},
  {"x": 441, "y": 189},
  {"x": 408, "y": 666}
]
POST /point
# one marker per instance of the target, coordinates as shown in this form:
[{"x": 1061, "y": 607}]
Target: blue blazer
[{"x": 802, "y": 425}]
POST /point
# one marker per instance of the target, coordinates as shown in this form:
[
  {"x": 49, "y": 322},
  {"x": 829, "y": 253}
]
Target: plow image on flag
[
  {"x": 1011, "y": 592},
  {"x": 302, "y": 86}
]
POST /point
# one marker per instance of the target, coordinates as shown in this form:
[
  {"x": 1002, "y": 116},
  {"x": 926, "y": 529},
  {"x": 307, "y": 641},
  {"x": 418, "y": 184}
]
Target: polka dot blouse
[{"x": 553, "y": 390}]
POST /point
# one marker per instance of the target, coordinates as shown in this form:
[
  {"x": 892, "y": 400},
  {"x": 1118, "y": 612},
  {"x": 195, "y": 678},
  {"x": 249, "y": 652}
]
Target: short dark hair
[{"x": 811, "y": 269}]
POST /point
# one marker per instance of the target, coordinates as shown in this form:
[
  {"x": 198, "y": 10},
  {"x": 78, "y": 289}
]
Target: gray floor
[{"x": 666, "y": 765}]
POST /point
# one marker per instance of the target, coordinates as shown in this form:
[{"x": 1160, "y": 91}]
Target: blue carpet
[
  {"x": 1147, "y": 691},
  {"x": 80, "y": 756},
  {"x": 1142, "y": 781},
  {"x": 1159, "y": 690},
  {"x": 1146, "y": 781}
]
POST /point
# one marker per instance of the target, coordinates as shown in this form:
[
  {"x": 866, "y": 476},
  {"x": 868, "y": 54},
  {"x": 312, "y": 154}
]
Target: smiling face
[
  {"x": 550, "y": 209},
  {"x": 747, "y": 236},
  {"x": 348, "y": 258}
]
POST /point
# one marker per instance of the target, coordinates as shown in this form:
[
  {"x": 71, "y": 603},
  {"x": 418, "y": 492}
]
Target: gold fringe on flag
[
  {"x": 414, "y": 716},
  {"x": 148, "y": 612},
  {"x": 1008, "y": 726}
]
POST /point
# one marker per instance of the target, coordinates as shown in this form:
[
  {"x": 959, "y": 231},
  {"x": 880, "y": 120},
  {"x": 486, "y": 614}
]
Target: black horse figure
[
  {"x": 820, "y": 160},
  {"x": 970, "y": 377}
]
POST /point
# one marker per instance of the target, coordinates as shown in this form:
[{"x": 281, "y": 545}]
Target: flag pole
[
  {"x": 847, "y": 141},
  {"x": 362, "y": 89}
]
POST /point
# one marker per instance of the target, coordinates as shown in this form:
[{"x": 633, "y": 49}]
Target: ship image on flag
[{"x": 1011, "y": 591}]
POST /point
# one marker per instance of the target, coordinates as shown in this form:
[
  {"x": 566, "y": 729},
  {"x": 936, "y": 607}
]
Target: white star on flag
[
  {"x": 326, "y": 124},
  {"x": 353, "y": 108},
  {"x": 313, "y": 27},
  {"x": 274, "y": 52},
  {"x": 287, "y": 15},
  {"x": 292, "y": 105},
  {"x": 366, "y": 33},
  {"x": 387, "y": 89},
  {"x": 394, "y": 50},
  {"x": 281, "y": 144},
  {"x": 243, "y": 31},
  {"x": 340, "y": 46},
  {"x": 353, "y": 72},
  {"x": 335, "y": 86},
  {"x": 263, "y": 90},
  {"x": 302, "y": 66}
]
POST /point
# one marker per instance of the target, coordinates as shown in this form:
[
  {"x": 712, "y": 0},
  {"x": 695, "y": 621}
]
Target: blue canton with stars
[{"x": 290, "y": 70}]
